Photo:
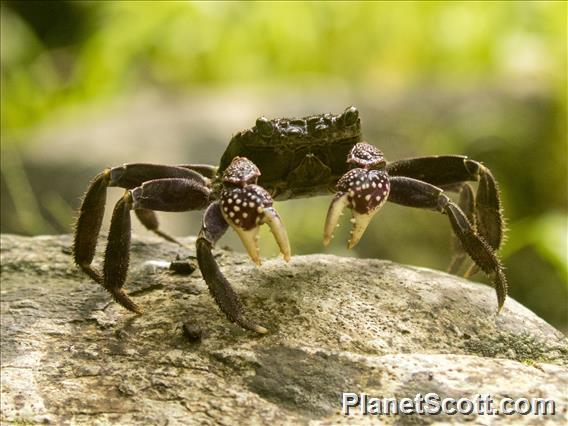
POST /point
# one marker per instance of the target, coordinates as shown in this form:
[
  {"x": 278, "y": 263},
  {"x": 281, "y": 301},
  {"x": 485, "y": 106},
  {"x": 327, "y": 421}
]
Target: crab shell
[{"x": 300, "y": 157}]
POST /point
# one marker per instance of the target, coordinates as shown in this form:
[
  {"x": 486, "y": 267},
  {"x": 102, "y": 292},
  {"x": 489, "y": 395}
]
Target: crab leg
[
  {"x": 89, "y": 223},
  {"x": 214, "y": 226},
  {"x": 117, "y": 254},
  {"x": 92, "y": 209},
  {"x": 415, "y": 193},
  {"x": 163, "y": 194},
  {"x": 451, "y": 169},
  {"x": 149, "y": 219},
  {"x": 467, "y": 204}
]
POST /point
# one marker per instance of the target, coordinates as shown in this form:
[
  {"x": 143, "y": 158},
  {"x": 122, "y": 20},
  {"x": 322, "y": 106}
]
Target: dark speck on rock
[
  {"x": 192, "y": 332},
  {"x": 182, "y": 267}
]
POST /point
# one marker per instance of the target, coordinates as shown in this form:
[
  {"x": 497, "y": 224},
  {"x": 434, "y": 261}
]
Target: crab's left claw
[
  {"x": 363, "y": 190},
  {"x": 245, "y": 209}
]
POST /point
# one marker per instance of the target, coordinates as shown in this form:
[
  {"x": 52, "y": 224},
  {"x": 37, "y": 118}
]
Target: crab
[{"x": 282, "y": 159}]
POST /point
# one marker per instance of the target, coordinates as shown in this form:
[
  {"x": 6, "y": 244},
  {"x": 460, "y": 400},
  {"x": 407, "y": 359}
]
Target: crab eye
[
  {"x": 350, "y": 116},
  {"x": 264, "y": 127}
]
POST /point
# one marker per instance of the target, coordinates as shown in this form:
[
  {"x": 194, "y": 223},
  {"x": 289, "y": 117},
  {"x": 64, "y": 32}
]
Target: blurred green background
[{"x": 86, "y": 85}]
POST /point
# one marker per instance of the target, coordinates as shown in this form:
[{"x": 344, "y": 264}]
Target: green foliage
[{"x": 184, "y": 44}]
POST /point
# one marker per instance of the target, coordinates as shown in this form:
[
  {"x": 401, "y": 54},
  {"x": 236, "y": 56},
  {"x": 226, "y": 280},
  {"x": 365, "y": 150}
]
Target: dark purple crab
[{"x": 281, "y": 159}]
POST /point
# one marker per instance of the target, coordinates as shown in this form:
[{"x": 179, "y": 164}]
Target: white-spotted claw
[
  {"x": 246, "y": 206},
  {"x": 364, "y": 190}
]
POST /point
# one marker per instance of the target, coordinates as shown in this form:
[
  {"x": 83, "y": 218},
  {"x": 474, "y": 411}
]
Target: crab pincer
[
  {"x": 363, "y": 189},
  {"x": 246, "y": 205}
]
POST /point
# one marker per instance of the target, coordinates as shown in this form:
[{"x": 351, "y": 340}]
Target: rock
[{"x": 71, "y": 355}]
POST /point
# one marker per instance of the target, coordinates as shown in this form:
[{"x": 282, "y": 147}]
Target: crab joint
[{"x": 245, "y": 209}]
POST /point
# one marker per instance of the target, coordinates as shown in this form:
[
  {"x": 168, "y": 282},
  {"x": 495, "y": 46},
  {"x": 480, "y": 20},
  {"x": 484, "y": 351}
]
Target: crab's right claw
[{"x": 245, "y": 209}]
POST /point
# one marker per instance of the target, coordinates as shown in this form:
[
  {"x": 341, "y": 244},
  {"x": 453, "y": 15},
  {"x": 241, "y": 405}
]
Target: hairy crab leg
[
  {"x": 415, "y": 193},
  {"x": 203, "y": 169},
  {"x": 467, "y": 204},
  {"x": 89, "y": 223},
  {"x": 452, "y": 169},
  {"x": 149, "y": 219},
  {"x": 92, "y": 208},
  {"x": 160, "y": 194},
  {"x": 117, "y": 254}
]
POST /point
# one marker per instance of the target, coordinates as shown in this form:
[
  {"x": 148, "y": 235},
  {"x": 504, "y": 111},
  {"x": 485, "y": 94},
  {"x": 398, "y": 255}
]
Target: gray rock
[{"x": 71, "y": 355}]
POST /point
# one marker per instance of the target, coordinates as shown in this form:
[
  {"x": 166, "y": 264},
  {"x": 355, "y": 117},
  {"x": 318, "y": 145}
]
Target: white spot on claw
[
  {"x": 236, "y": 208},
  {"x": 368, "y": 197},
  {"x": 231, "y": 214}
]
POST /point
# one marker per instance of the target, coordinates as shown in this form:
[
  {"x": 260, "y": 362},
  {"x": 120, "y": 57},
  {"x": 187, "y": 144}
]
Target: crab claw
[
  {"x": 338, "y": 204},
  {"x": 364, "y": 192},
  {"x": 273, "y": 220},
  {"x": 245, "y": 209}
]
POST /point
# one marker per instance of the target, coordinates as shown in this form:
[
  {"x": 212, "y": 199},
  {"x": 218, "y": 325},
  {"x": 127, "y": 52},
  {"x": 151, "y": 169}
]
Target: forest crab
[{"x": 281, "y": 159}]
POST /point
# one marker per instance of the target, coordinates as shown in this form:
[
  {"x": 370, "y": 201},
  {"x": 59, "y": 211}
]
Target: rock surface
[{"x": 72, "y": 356}]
